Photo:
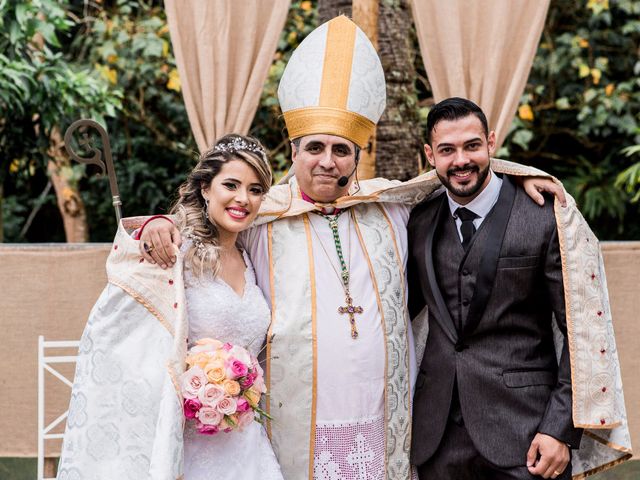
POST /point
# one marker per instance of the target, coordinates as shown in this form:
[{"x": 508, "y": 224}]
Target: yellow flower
[
  {"x": 112, "y": 58},
  {"x": 231, "y": 387},
  {"x": 14, "y": 166},
  {"x": 595, "y": 75},
  {"x": 108, "y": 73},
  {"x": 306, "y": 6},
  {"x": 583, "y": 70},
  {"x": 209, "y": 341},
  {"x": 165, "y": 48},
  {"x": 583, "y": 42},
  {"x": 598, "y": 6},
  {"x": 200, "y": 359},
  {"x": 215, "y": 371},
  {"x": 608, "y": 90},
  {"x": 229, "y": 421},
  {"x": 174, "y": 80},
  {"x": 252, "y": 396},
  {"x": 525, "y": 112}
]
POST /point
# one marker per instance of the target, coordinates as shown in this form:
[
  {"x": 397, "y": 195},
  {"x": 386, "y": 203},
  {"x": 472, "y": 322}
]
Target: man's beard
[{"x": 468, "y": 190}]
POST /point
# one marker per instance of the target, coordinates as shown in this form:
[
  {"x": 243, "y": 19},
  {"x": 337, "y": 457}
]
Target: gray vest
[{"x": 457, "y": 270}]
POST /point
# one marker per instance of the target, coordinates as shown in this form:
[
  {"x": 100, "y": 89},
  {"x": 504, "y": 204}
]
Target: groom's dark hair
[{"x": 451, "y": 109}]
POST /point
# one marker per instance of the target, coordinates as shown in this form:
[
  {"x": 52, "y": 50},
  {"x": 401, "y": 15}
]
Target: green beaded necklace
[{"x": 349, "y": 308}]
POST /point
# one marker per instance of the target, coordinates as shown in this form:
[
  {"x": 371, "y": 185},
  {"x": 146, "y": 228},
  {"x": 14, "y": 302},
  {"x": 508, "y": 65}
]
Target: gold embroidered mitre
[{"x": 333, "y": 84}]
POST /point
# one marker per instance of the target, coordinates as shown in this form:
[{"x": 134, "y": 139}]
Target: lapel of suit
[
  {"x": 443, "y": 317},
  {"x": 499, "y": 217}
]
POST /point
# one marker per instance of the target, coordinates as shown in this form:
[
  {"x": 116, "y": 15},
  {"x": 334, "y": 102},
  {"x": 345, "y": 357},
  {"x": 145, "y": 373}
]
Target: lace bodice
[{"x": 215, "y": 310}]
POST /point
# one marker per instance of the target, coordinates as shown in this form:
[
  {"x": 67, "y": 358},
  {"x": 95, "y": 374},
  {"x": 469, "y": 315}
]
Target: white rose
[
  {"x": 192, "y": 381},
  {"x": 210, "y": 395},
  {"x": 227, "y": 405},
  {"x": 209, "y": 416}
]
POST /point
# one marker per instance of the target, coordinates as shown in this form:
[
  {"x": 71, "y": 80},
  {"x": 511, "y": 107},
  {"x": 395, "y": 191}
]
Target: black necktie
[{"x": 467, "y": 228}]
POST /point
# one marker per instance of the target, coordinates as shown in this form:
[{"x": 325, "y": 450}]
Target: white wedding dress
[{"x": 215, "y": 310}]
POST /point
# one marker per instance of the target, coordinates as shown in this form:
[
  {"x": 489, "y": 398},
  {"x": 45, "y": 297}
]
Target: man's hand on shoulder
[
  {"x": 547, "y": 456},
  {"x": 157, "y": 240}
]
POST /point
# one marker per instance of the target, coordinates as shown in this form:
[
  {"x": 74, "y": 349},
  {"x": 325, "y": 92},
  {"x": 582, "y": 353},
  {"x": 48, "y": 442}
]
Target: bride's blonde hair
[{"x": 190, "y": 211}]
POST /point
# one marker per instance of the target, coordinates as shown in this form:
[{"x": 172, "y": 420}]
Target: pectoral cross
[{"x": 350, "y": 310}]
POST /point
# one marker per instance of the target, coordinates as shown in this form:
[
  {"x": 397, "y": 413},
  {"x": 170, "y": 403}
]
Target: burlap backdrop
[
  {"x": 223, "y": 50},
  {"x": 45, "y": 290},
  {"x": 481, "y": 50},
  {"x": 50, "y": 291}
]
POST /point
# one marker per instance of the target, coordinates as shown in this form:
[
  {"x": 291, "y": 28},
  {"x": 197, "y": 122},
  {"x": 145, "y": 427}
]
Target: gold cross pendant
[{"x": 350, "y": 310}]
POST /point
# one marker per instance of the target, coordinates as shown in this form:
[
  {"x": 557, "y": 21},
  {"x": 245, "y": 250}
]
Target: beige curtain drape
[
  {"x": 480, "y": 49},
  {"x": 223, "y": 51}
]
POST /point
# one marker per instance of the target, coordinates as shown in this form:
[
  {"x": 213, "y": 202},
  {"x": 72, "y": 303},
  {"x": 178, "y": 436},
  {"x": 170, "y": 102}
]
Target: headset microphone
[{"x": 343, "y": 180}]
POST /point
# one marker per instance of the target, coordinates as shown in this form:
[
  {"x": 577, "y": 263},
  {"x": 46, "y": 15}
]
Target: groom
[{"x": 492, "y": 400}]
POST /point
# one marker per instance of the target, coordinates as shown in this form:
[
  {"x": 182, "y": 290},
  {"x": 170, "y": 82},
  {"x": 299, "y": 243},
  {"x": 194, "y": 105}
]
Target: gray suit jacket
[{"x": 490, "y": 320}]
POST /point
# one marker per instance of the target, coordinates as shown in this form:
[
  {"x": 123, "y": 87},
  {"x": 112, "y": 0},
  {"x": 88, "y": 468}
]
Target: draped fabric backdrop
[
  {"x": 481, "y": 50},
  {"x": 223, "y": 50}
]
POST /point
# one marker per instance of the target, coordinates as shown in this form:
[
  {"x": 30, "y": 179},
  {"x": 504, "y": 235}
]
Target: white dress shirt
[{"x": 481, "y": 205}]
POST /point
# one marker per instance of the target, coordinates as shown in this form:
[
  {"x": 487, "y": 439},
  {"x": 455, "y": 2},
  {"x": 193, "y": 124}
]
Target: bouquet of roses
[{"x": 222, "y": 387}]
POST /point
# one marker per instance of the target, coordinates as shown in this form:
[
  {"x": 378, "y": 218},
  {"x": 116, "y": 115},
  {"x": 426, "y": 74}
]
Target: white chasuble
[
  {"x": 125, "y": 417},
  {"x": 341, "y": 406}
]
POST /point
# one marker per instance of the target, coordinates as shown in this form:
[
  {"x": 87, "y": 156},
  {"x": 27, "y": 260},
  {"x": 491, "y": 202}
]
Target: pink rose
[
  {"x": 192, "y": 381},
  {"x": 210, "y": 395},
  {"x": 255, "y": 365},
  {"x": 237, "y": 368},
  {"x": 248, "y": 380},
  {"x": 208, "y": 429},
  {"x": 259, "y": 384},
  {"x": 245, "y": 419},
  {"x": 227, "y": 346},
  {"x": 209, "y": 416},
  {"x": 227, "y": 406},
  {"x": 241, "y": 354},
  {"x": 191, "y": 407},
  {"x": 242, "y": 405}
]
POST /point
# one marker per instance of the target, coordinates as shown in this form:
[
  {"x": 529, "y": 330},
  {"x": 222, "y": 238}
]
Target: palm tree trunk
[
  {"x": 398, "y": 133},
  {"x": 398, "y": 141},
  {"x": 70, "y": 204}
]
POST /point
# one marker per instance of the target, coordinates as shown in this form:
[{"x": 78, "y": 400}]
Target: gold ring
[{"x": 556, "y": 473}]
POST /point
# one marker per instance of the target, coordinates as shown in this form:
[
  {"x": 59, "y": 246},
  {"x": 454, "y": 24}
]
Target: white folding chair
[{"x": 45, "y": 362}]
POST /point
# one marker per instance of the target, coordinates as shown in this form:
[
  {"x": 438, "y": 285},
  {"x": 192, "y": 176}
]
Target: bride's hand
[{"x": 157, "y": 240}]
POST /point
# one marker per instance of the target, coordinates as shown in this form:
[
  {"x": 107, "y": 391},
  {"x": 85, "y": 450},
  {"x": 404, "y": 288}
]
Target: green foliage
[
  {"x": 579, "y": 117},
  {"x": 581, "y": 107},
  {"x": 629, "y": 178},
  {"x": 126, "y": 46},
  {"x": 39, "y": 89},
  {"x": 128, "y": 43}
]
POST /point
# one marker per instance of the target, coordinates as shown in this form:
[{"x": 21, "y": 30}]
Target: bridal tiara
[{"x": 239, "y": 144}]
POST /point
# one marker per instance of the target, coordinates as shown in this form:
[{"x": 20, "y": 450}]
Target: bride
[{"x": 125, "y": 418}]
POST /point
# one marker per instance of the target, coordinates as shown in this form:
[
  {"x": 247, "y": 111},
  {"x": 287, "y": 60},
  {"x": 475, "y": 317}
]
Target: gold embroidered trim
[
  {"x": 314, "y": 336},
  {"x": 144, "y": 302},
  {"x": 405, "y": 312},
  {"x": 384, "y": 331},
  {"x": 338, "y": 61},
  {"x": 329, "y": 121},
  {"x": 272, "y": 290}
]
